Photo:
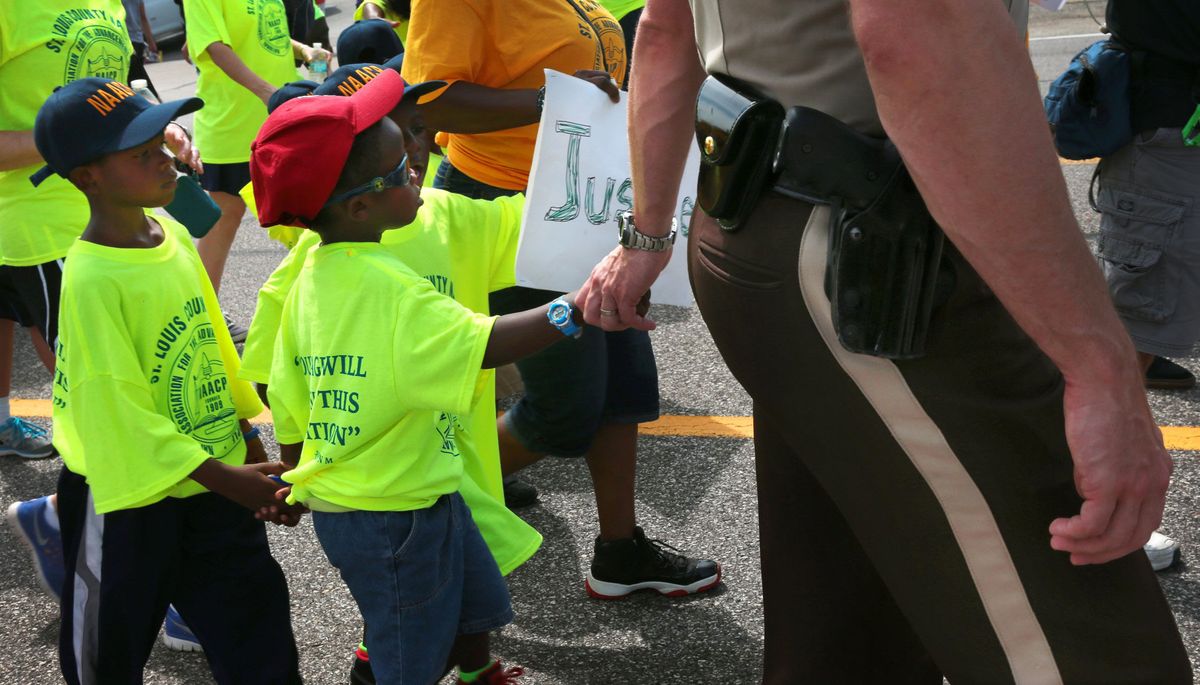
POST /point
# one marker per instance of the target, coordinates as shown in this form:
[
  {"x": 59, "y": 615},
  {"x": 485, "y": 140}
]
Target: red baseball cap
[{"x": 302, "y": 148}]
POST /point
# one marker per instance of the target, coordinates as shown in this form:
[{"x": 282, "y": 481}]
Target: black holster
[{"x": 885, "y": 250}]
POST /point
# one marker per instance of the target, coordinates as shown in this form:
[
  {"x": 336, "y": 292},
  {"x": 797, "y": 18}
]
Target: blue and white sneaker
[
  {"x": 28, "y": 521},
  {"x": 25, "y": 440},
  {"x": 176, "y": 634}
]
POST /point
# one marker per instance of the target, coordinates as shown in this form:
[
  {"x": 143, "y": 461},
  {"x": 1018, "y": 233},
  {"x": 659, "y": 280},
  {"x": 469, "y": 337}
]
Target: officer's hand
[
  {"x": 616, "y": 295},
  {"x": 1121, "y": 471}
]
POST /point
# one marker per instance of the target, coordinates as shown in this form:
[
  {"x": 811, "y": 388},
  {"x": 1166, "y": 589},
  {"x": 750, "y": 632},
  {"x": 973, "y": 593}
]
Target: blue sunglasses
[{"x": 396, "y": 178}]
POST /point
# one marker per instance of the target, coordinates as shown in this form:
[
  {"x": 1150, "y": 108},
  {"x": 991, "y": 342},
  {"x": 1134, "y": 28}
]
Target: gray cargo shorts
[{"x": 1149, "y": 245}]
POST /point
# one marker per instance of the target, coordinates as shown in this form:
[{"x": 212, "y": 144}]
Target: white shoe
[{"x": 1161, "y": 550}]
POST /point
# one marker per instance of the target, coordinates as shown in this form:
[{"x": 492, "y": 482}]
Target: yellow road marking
[
  {"x": 1185, "y": 438},
  {"x": 1072, "y": 162}
]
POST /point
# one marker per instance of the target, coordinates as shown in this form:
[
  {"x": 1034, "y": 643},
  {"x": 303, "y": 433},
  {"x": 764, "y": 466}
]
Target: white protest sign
[{"x": 578, "y": 184}]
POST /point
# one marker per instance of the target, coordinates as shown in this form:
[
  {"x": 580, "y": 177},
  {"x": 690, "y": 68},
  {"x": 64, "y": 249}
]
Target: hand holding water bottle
[{"x": 317, "y": 59}]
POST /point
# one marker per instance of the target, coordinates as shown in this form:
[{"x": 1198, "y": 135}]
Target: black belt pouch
[
  {"x": 885, "y": 249},
  {"x": 738, "y": 132}
]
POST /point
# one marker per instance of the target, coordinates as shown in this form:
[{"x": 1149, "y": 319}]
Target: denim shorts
[
  {"x": 1149, "y": 243},
  {"x": 576, "y": 385},
  {"x": 420, "y": 578}
]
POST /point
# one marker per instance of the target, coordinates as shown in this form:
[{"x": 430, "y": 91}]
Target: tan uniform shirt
[{"x": 800, "y": 52}]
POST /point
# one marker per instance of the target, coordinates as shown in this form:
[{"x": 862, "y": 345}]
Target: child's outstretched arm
[{"x": 516, "y": 336}]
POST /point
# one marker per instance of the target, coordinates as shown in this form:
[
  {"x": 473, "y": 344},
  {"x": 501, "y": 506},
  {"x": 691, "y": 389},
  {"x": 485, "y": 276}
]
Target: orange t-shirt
[{"x": 507, "y": 44}]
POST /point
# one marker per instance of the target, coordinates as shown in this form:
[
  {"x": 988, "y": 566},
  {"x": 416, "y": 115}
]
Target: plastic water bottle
[
  {"x": 318, "y": 69},
  {"x": 142, "y": 87}
]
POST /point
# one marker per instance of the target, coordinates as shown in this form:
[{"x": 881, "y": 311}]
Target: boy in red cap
[
  {"x": 154, "y": 498},
  {"x": 372, "y": 366},
  {"x": 466, "y": 248}
]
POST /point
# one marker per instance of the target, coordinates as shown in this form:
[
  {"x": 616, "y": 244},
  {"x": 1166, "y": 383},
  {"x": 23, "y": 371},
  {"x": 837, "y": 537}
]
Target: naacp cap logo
[
  {"x": 89, "y": 118},
  {"x": 350, "y": 78}
]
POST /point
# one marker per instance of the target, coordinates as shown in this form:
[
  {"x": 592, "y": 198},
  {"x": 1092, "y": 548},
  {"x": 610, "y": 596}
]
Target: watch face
[{"x": 559, "y": 313}]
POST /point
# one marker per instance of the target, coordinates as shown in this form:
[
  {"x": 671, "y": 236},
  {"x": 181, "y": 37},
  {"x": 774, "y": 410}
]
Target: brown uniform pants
[{"x": 904, "y": 506}]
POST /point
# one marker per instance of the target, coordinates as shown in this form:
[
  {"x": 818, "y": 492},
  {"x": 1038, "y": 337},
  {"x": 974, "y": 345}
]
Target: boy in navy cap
[{"x": 154, "y": 497}]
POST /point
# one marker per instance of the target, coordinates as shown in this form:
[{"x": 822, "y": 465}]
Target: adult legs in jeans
[
  {"x": 612, "y": 463},
  {"x": 568, "y": 417},
  {"x": 944, "y": 471},
  {"x": 612, "y": 458},
  {"x": 563, "y": 412}
]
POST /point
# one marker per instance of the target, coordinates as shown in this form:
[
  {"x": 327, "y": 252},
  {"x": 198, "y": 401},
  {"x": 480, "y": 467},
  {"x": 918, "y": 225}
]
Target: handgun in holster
[{"x": 885, "y": 250}]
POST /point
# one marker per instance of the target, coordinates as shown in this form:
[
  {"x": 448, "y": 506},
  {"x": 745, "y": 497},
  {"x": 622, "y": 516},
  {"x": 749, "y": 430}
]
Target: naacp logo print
[
  {"x": 273, "y": 27},
  {"x": 98, "y": 50},
  {"x": 448, "y": 428},
  {"x": 198, "y": 394}
]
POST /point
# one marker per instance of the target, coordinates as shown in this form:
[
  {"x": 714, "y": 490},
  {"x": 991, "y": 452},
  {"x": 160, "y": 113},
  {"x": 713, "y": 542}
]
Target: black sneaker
[
  {"x": 236, "y": 330},
  {"x": 1165, "y": 374},
  {"x": 519, "y": 494},
  {"x": 620, "y": 567},
  {"x": 360, "y": 672}
]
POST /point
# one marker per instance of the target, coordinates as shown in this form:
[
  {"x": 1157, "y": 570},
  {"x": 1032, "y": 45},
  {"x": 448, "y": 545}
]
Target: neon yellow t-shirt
[
  {"x": 257, "y": 31},
  {"x": 401, "y": 30},
  {"x": 468, "y": 247},
  {"x": 619, "y": 8},
  {"x": 44, "y": 45},
  {"x": 373, "y": 386},
  {"x": 145, "y": 387}
]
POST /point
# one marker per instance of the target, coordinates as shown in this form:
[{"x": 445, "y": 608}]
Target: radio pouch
[{"x": 738, "y": 133}]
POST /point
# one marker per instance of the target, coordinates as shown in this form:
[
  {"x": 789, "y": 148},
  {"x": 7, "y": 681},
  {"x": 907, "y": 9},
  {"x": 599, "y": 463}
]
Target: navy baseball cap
[
  {"x": 290, "y": 91},
  {"x": 396, "y": 63},
  {"x": 349, "y": 79},
  {"x": 92, "y": 117},
  {"x": 370, "y": 40}
]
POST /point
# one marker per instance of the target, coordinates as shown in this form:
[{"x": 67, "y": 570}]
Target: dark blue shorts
[
  {"x": 29, "y": 295},
  {"x": 420, "y": 578},
  {"x": 204, "y": 554},
  {"x": 576, "y": 385},
  {"x": 225, "y": 178}
]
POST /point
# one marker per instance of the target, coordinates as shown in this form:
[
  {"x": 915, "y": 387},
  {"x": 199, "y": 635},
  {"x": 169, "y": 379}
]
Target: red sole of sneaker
[{"x": 672, "y": 593}]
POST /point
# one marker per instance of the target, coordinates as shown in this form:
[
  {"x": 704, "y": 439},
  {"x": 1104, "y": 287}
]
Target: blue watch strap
[
  {"x": 250, "y": 434},
  {"x": 565, "y": 324}
]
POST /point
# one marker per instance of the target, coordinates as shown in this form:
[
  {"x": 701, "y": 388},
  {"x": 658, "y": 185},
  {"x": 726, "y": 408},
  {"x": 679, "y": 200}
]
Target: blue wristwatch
[{"x": 560, "y": 316}]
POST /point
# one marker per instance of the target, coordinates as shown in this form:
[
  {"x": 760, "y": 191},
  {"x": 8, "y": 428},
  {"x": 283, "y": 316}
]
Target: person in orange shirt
[{"x": 582, "y": 397}]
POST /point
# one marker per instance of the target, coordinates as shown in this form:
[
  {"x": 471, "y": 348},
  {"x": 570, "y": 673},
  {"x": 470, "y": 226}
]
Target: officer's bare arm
[
  {"x": 957, "y": 93},
  {"x": 662, "y": 111},
  {"x": 17, "y": 150}
]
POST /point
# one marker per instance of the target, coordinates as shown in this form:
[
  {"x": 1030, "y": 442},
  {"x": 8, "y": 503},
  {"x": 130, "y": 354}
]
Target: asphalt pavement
[{"x": 694, "y": 493}]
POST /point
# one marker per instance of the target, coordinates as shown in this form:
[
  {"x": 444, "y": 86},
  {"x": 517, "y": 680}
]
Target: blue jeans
[{"x": 420, "y": 578}]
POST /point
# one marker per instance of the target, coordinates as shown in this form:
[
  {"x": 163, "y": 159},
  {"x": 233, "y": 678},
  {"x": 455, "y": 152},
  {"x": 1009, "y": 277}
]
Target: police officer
[{"x": 975, "y": 512}]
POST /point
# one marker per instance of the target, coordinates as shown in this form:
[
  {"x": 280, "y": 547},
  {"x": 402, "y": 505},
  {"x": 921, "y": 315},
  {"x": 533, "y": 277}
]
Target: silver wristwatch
[{"x": 629, "y": 237}]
